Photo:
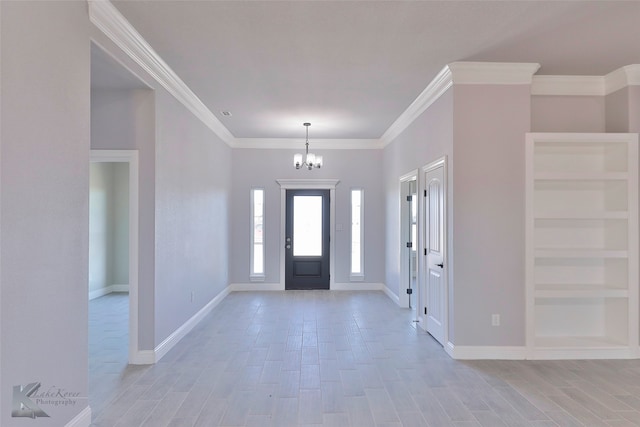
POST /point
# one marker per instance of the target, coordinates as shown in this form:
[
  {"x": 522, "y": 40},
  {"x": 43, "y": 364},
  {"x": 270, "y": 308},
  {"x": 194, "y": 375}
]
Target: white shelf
[
  {"x": 569, "y": 214},
  {"x": 579, "y": 253},
  {"x": 579, "y": 291},
  {"x": 581, "y": 176},
  {"x": 585, "y": 342},
  {"x": 582, "y": 245}
]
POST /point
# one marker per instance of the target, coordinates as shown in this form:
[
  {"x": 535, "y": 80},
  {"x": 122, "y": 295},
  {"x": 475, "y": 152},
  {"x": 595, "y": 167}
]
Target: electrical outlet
[
  {"x": 495, "y": 320},
  {"x": 192, "y": 295}
]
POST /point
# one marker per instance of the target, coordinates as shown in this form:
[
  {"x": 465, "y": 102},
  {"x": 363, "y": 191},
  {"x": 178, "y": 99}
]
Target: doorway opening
[
  {"x": 307, "y": 239},
  {"x": 317, "y": 186},
  {"x": 434, "y": 288},
  {"x": 408, "y": 289}
]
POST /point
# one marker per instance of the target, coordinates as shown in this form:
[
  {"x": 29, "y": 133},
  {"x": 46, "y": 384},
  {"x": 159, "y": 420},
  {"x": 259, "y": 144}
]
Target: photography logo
[{"x": 23, "y": 406}]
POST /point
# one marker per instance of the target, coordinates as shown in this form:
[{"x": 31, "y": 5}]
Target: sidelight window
[
  {"x": 357, "y": 235},
  {"x": 257, "y": 234}
]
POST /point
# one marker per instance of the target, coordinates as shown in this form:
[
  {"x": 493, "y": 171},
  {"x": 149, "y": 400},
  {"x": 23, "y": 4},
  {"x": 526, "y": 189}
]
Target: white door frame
[
  {"x": 130, "y": 157},
  {"x": 403, "y": 297},
  {"x": 441, "y": 162},
  {"x": 316, "y": 184}
]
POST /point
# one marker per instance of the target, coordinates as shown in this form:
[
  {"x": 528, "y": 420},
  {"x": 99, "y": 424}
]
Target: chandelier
[{"x": 310, "y": 160}]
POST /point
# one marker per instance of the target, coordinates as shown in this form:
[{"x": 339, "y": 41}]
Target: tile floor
[{"x": 305, "y": 358}]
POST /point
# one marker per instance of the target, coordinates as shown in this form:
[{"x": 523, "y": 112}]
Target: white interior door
[{"x": 434, "y": 292}]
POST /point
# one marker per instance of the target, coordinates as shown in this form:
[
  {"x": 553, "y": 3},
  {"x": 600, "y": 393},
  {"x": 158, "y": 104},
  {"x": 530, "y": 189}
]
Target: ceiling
[{"x": 352, "y": 67}]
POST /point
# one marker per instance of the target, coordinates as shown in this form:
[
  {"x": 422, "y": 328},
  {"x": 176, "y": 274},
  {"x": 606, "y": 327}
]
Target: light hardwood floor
[{"x": 333, "y": 358}]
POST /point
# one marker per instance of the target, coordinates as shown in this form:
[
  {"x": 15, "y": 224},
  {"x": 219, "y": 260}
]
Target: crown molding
[
  {"x": 493, "y": 73},
  {"x": 110, "y": 21},
  {"x": 434, "y": 90},
  {"x": 568, "y": 85},
  {"x": 317, "y": 144},
  {"x": 622, "y": 77},
  {"x": 587, "y": 85},
  {"x": 498, "y": 73}
]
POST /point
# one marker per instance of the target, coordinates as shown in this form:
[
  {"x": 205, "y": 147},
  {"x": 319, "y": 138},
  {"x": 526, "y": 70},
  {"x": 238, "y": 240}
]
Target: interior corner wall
[
  {"x": 617, "y": 111},
  {"x": 125, "y": 120},
  {"x": 45, "y": 203},
  {"x": 490, "y": 123},
  {"x": 634, "y": 109},
  {"x": 262, "y": 167},
  {"x": 101, "y": 227},
  {"x": 427, "y": 139},
  {"x": 567, "y": 113}
]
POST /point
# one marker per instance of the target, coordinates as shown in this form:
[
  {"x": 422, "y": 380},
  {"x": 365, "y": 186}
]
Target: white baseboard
[
  {"x": 582, "y": 353},
  {"x": 107, "y": 290},
  {"x": 173, "y": 339},
  {"x": 255, "y": 286},
  {"x": 357, "y": 286},
  {"x": 395, "y": 298},
  {"x": 144, "y": 357},
  {"x": 83, "y": 419},
  {"x": 486, "y": 352}
]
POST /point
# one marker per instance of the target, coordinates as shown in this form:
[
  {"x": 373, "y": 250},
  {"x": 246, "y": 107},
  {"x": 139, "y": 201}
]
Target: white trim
[
  {"x": 143, "y": 357},
  {"x": 296, "y": 184},
  {"x": 486, "y": 352},
  {"x": 393, "y": 297},
  {"x": 130, "y": 157},
  {"x": 493, "y": 73},
  {"x": 621, "y": 78},
  {"x": 107, "y": 290},
  {"x": 356, "y": 276},
  {"x": 357, "y": 286},
  {"x": 317, "y": 144},
  {"x": 116, "y": 27},
  {"x": 567, "y": 353},
  {"x": 434, "y": 90},
  {"x": 253, "y": 276},
  {"x": 83, "y": 419},
  {"x": 568, "y": 85},
  {"x": 422, "y": 225},
  {"x": 173, "y": 339},
  {"x": 403, "y": 268},
  {"x": 244, "y": 287}
]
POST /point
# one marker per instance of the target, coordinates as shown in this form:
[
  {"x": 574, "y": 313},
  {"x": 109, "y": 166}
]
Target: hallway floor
[{"x": 333, "y": 358}]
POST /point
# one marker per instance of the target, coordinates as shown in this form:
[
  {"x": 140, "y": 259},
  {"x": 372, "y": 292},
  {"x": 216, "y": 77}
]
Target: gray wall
[
  {"x": 108, "y": 226},
  {"x": 567, "y": 113},
  {"x": 193, "y": 184},
  {"x": 45, "y": 202},
  {"x": 261, "y": 168},
  {"x": 427, "y": 139},
  {"x": 488, "y": 220}
]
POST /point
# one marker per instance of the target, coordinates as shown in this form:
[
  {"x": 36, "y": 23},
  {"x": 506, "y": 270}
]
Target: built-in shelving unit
[{"x": 582, "y": 245}]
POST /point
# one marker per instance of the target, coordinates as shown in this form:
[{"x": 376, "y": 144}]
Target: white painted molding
[
  {"x": 493, "y": 73},
  {"x": 296, "y": 184},
  {"x": 143, "y": 357},
  {"x": 115, "y": 26},
  {"x": 582, "y": 353},
  {"x": 244, "y": 287},
  {"x": 434, "y": 90},
  {"x": 486, "y": 352},
  {"x": 587, "y": 85},
  {"x": 107, "y": 290},
  {"x": 83, "y": 419},
  {"x": 317, "y": 144},
  {"x": 358, "y": 286},
  {"x": 173, "y": 339},
  {"x": 391, "y": 295},
  {"x": 621, "y": 78},
  {"x": 568, "y": 85}
]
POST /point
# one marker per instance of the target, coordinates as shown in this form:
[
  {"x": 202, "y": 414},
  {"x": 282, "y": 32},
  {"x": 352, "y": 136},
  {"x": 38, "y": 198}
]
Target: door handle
[
  {"x": 441, "y": 265},
  {"x": 288, "y": 246}
]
